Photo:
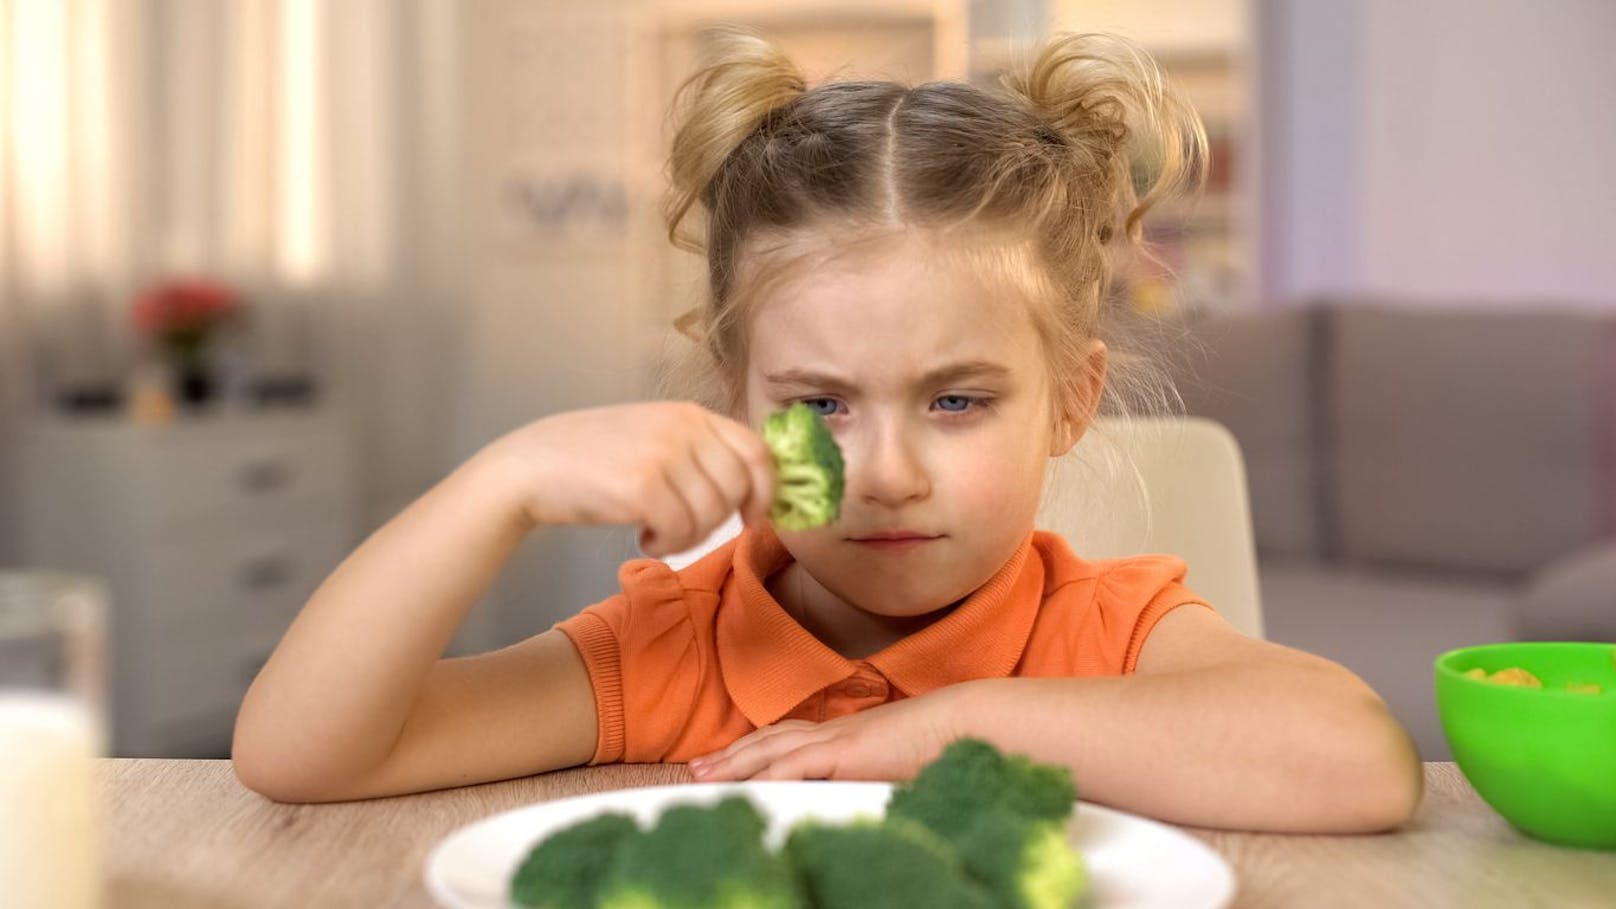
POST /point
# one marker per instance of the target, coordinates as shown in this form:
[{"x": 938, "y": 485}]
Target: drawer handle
[
  {"x": 265, "y": 476},
  {"x": 265, "y": 572}
]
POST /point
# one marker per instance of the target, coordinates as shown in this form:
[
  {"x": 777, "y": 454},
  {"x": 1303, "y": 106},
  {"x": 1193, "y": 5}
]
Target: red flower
[{"x": 182, "y": 311}]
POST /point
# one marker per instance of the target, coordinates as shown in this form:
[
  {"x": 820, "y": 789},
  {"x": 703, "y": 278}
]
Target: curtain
[{"x": 262, "y": 142}]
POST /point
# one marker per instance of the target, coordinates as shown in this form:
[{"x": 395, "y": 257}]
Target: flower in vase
[{"x": 181, "y": 316}]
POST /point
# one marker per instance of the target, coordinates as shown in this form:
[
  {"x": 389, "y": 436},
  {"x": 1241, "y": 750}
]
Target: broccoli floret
[
  {"x": 1027, "y": 864},
  {"x": 808, "y": 464},
  {"x": 565, "y": 871},
  {"x": 702, "y": 858},
  {"x": 891, "y": 864},
  {"x": 1006, "y": 815},
  {"x": 973, "y": 777}
]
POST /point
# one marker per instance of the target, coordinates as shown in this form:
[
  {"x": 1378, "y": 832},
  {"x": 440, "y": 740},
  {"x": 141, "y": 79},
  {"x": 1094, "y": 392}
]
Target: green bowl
[{"x": 1544, "y": 758}]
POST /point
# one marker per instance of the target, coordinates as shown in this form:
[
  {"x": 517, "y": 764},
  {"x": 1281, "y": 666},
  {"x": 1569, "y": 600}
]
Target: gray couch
[{"x": 1422, "y": 478}]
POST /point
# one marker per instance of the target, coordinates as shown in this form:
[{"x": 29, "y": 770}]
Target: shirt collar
[{"x": 771, "y": 663}]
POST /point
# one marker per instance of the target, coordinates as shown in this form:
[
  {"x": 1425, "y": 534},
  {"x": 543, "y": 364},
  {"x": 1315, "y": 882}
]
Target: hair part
[{"x": 1045, "y": 181}]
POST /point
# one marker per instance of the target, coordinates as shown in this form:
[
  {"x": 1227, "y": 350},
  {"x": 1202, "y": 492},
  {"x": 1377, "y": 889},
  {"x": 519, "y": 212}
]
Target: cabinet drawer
[
  {"x": 251, "y": 579},
  {"x": 176, "y": 480}
]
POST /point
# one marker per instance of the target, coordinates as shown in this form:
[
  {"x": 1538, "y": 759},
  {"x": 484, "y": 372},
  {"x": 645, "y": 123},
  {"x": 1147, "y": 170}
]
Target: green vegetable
[
  {"x": 977, "y": 829},
  {"x": 972, "y": 777},
  {"x": 702, "y": 858},
  {"x": 892, "y": 864},
  {"x": 566, "y": 870},
  {"x": 808, "y": 464},
  {"x": 1027, "y": 864},
  {"x": 1006, "y": 815}
]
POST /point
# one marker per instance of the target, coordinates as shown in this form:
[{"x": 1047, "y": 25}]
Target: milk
[{"x": 49, "y": 847}]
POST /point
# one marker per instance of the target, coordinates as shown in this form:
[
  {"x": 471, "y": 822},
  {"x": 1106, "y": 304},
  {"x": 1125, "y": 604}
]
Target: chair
[{"x": 1175, "y": 485}]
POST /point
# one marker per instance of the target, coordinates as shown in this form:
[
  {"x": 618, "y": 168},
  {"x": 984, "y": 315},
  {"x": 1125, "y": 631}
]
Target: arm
[
  {"x": 1214, "y": 729},
  {"x": 355, "y": 702}
]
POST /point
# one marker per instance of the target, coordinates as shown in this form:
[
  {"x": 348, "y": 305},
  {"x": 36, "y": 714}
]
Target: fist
[{"x": 675, "y": 469}]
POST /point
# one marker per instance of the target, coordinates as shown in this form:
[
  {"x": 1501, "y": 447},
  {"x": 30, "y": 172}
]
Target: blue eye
[
  {"x": 964, "y": 402},
  {"x": 814, "y": 404}
]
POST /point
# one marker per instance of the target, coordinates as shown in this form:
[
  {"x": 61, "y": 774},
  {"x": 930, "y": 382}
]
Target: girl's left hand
[{"x": 889, "y": 742}]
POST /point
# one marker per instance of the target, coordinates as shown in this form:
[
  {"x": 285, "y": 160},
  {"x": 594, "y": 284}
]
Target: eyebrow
[{"x": 985, "y": 369}]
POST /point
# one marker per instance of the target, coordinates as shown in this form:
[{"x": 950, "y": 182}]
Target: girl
[{"x": 928, "y": 267}]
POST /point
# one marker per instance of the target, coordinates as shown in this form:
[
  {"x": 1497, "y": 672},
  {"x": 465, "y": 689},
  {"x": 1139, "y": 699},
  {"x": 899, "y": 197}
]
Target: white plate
[{"x": 1133, "y": 862}]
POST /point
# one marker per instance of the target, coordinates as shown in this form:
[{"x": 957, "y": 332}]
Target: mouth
[{"x": 898, "y": 540}]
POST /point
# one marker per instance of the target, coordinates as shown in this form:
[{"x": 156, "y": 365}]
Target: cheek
[{"x": 1000, "y": 478}]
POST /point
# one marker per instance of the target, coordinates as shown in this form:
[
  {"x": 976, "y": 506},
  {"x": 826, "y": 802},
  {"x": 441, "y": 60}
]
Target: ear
[{"x": 1077, "y": 416}]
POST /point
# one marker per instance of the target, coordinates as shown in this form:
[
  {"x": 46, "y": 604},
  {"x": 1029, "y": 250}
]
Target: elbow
[
  {"x": 269, "y": 777},
  {"x": 277, "y": 774},
  {"x": 1379, "y": 780},
  {"x": 1391, "y": 794},
  {"x": 276, "y": 787}
]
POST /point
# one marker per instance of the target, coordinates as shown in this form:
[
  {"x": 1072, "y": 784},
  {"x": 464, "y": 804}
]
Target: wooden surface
[{"x": 184, "y": 834}]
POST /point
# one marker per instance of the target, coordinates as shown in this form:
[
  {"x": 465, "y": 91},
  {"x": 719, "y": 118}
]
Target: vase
[{"x": 194, "y": 383}]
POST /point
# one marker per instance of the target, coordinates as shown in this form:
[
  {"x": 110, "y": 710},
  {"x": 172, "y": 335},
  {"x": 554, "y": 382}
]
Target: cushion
[
  {"x": 1254, "y": 372},
  {"x": 1572, "y": 598},
  {"x": 1463, "y": 439}
]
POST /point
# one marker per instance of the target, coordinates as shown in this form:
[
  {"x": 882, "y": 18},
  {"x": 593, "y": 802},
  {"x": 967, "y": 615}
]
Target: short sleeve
[
  {"x": 1135, "y": 593},
  {"x": 638, "y": 647},
  {"x": 594, "y": 632}
]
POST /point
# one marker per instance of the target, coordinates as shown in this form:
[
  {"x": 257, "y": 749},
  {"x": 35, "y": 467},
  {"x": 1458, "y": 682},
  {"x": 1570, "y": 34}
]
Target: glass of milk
[{"x": 52, "y": 727}]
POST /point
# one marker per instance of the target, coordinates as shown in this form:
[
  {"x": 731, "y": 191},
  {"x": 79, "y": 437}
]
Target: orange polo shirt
[{"x": 684, "y": 663}]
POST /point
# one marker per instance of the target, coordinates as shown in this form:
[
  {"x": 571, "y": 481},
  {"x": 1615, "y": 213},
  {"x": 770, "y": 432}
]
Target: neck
[{"x": 842, "y": 626}]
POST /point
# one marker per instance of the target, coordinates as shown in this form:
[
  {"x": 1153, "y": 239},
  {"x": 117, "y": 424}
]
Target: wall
[
  {"x": 1449, "y": 150},
  {"x": 546, "y": 310}
]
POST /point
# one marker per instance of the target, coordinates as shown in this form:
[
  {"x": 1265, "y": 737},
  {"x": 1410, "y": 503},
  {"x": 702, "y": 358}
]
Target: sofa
[{"x": 1422, "y": 477}]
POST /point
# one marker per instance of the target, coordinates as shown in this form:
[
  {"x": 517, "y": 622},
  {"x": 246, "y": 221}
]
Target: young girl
[{"x": 927, "y": 267}]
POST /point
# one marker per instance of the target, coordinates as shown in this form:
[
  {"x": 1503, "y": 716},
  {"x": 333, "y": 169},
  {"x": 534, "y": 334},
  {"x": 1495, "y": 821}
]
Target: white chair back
[{"x": 1172, "y": 485}]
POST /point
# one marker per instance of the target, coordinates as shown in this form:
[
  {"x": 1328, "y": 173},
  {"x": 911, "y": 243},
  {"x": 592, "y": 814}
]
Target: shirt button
[{"x": 856, "y": 690}]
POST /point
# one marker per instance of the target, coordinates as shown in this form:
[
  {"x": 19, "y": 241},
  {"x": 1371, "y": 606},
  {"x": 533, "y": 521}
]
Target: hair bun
[
  {"x": 1109, "y": 100},
  {"x": 741, "y": 80}
]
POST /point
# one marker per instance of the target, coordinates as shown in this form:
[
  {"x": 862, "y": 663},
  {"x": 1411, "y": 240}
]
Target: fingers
[
  {"x": 669, "y": 518},
  {"x": 754, "y": 753},
  {"x": 754, "y": 455},
  {"x": 706, "y": 503},
  {"x": 815, "y": 761},
  {"x": 728, "y": 474}
]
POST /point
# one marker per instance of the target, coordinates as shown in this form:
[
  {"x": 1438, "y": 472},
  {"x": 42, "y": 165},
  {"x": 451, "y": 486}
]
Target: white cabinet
[{"x": 210, "y": 533}]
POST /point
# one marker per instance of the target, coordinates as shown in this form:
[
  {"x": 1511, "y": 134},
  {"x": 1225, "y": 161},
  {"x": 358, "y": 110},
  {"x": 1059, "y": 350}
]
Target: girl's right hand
[{"x": 674, "y": 468}]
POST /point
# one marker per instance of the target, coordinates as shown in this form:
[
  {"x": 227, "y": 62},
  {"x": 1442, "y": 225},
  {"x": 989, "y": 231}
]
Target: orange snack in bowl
[
  {"x": 1514, "y": 675},
  {"x": 1517, "y": 676}
]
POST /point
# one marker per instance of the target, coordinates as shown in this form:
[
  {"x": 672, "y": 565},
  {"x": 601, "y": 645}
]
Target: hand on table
[{"x": 889, "y": 742}]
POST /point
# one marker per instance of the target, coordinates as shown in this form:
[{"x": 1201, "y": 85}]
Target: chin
[{"x": 881, "y": 602}]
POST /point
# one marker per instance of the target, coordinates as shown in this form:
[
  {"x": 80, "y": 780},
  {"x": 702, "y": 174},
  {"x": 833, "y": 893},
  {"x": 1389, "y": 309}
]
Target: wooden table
[{"x": 184, "y": 834}]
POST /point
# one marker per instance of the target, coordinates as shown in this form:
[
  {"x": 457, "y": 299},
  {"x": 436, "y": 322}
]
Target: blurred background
[{"x": 270, "y": 268}]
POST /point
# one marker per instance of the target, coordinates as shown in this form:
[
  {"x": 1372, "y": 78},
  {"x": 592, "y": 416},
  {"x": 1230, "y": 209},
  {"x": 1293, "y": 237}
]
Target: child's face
[{"x": 959, "y": 458}]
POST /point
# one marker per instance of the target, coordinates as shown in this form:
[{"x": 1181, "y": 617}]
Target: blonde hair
[{"x": 1063, "y": 160}]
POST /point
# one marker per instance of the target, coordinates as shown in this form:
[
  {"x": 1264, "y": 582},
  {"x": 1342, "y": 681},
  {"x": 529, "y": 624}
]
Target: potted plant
[{"x": 181, "y": 318}]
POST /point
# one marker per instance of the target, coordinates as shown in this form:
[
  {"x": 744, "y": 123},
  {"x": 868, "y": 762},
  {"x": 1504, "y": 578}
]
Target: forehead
[{"x": 891, "y": 312}]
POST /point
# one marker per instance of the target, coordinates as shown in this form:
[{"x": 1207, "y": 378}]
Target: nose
[{"x": 887, "y": 468}]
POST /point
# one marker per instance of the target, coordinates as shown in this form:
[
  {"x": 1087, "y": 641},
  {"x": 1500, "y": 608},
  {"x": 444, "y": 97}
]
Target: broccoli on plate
[
  {"x": 891, "y": 864},
  {"x": 702, "y": 858},
  {"x": 977, "y": 829},
  {"x": 1027, "y": 864},
  {"x": 1006, "y": 815},
  {"x": 809, "y": 467},
  {"x": 566, "y": 870}
]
